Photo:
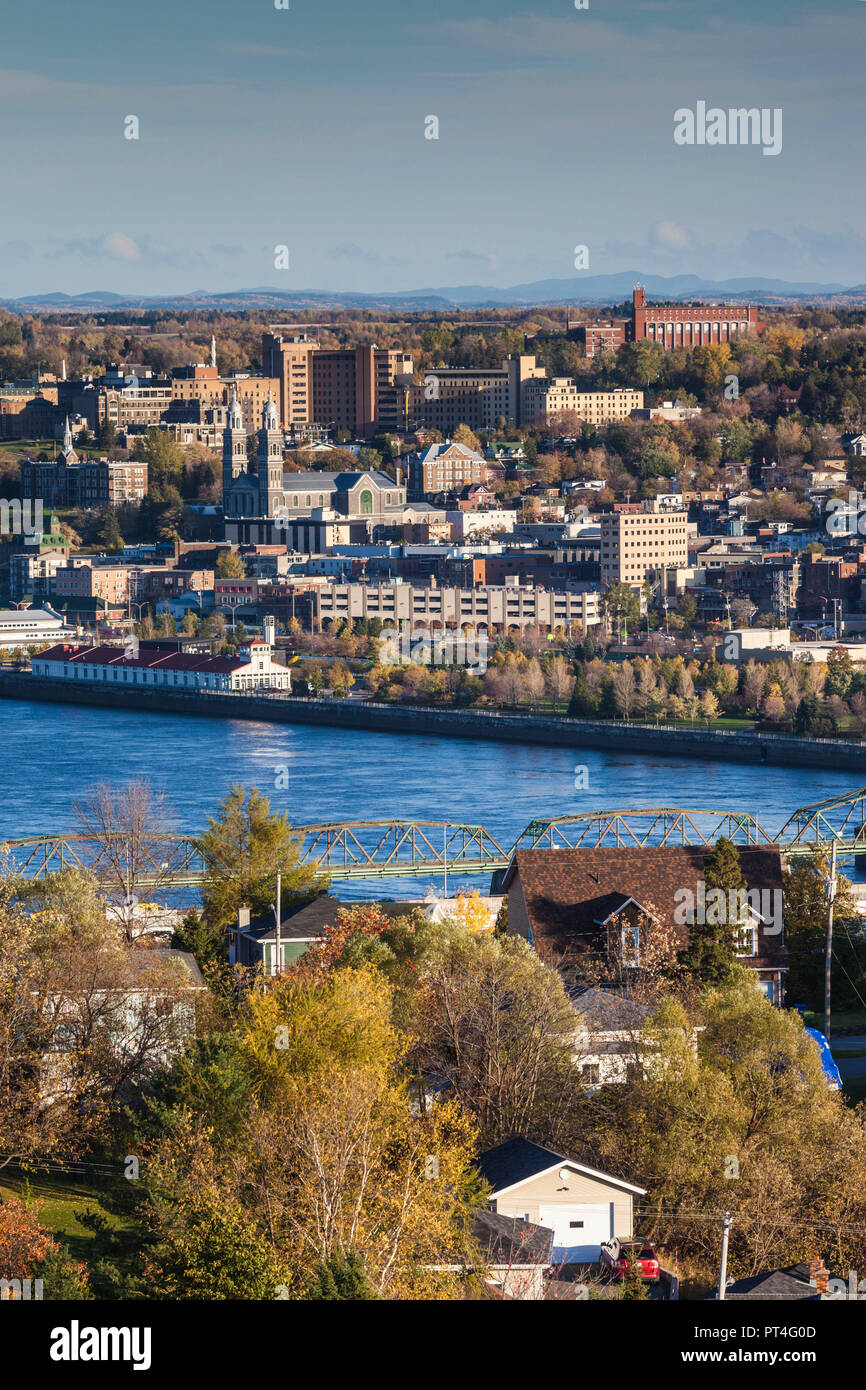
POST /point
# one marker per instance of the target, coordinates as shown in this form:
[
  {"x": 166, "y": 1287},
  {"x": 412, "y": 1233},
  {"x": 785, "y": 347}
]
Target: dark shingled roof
[
  {"x": 780, "y": 1285},
  {"x": 507, "y": 1240},
  {"x": 515, "y": 1161},
  {"x": 308, "y": 922},
  {"x": 569, "y": 891},
  {"x": 518, "y": 1159}
]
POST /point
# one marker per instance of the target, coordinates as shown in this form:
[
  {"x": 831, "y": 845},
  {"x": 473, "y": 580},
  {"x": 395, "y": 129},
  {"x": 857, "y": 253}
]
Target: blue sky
[{"x": 305, "y": 127}]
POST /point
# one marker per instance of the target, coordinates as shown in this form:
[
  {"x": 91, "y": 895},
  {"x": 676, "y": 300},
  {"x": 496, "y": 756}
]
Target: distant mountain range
[{"x": 578, "y": 289}]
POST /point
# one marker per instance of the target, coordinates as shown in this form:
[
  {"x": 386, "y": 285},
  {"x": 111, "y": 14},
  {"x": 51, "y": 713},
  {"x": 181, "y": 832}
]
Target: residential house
[
  {"x": 795, "y": 1283},
  {"x": 518, "y": 1253},
  {"x": 582, "y": 1206},
  {"x": 254, "y": 940},
  {"x": 608, "y": 1045},
  {"x": 574, "y": 904}
]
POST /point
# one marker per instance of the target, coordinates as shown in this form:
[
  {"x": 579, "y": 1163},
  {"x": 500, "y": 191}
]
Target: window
[
  {"x": 575, "y": 1225},
  {"x": 591, "y": 1073},
  {"x": 366, "y": 502},
  {"x": 746, "y": 939},
  {"x": 630, "y": 938}
]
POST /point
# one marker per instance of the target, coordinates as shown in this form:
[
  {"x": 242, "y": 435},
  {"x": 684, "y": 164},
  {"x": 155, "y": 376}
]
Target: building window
[
  {"x": 630, "y": 938},
  {"x": 591, "y": 1073},
  {"x": 366, "y": 502}
]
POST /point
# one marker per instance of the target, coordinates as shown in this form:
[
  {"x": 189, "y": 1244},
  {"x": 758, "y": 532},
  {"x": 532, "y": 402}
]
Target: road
[{"x": 850, "y": 1068}]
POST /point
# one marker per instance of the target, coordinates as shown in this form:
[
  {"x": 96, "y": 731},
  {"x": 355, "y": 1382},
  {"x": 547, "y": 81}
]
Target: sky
[{"x": 305, "y": 128}]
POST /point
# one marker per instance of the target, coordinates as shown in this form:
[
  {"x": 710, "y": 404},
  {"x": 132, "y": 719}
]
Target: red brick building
[{"x": 691, "y": 325}]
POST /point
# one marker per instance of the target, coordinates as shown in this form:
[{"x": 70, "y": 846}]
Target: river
[{"x": 53, "y": 752}]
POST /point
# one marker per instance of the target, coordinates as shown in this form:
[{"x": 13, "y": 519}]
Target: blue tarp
[{"x": 831, "y": 1071}]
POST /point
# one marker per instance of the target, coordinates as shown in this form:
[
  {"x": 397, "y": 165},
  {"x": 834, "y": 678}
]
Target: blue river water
[{"x": 52, "y": 753}]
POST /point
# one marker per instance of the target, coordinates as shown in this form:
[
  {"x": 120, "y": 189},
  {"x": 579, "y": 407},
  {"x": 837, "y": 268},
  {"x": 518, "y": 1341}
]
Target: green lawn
[{"x": 59, "y": 1200}]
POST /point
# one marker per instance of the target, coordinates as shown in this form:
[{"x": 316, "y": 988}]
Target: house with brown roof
[{"x": 576, "y": 905}]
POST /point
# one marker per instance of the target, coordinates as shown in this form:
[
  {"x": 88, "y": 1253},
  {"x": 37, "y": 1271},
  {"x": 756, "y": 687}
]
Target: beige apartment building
[
  {"x": 452, "y": 396},
  {"x": 508, "y": 607},
  {"x": 554, "y": 395},
  {"x": 213, "y": 392},
  {"x": 636, "y": 546}
]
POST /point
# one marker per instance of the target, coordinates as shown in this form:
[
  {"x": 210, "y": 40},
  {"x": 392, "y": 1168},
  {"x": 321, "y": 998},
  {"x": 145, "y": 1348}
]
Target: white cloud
[
  {"x": 120, "y": 247},
  {"x": 672, "y": 236}
]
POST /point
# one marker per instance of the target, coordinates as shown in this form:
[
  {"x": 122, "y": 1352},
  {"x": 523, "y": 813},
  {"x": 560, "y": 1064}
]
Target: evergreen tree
[
  {"x": 243, "y": 849},
  {"x": 111, "y": 536},
  {"x": 583, "y": 703},
  {"x": 342, "y": 1277},
  {"x": 711, "y": 953}
]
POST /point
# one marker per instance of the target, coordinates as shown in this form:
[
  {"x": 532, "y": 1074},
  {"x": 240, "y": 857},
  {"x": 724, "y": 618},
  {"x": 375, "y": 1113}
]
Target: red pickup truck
[{"x": 617, "y": 1255}]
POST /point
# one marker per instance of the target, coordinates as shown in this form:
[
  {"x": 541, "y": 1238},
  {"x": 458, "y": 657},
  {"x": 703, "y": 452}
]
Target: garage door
[{"x": 578, "y": 1231}]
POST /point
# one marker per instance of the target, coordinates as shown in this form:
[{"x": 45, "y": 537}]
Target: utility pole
[
  {"x": 278, "y": 913},
  {"x": 723, "y": 1267},
  {"x": 828, "y": 959}
]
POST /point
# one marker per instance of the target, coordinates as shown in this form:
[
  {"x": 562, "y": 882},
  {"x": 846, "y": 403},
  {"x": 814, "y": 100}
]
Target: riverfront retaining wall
[{"x": 451, "y": 723}]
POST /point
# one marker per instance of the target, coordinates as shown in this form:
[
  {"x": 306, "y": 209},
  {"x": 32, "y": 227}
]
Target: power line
[{"x": 745, "y": 1219}]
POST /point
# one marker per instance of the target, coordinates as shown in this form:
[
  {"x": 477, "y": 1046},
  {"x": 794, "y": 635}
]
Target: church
[{"x": 261, "y": 502}]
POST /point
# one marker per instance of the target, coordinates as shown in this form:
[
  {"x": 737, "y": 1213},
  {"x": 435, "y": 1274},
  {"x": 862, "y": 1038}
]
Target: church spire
[{"x": 213, "y": 350}]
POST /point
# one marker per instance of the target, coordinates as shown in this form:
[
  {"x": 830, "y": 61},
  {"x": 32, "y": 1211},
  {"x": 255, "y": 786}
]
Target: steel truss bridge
[{"x": 371, "y": 849}]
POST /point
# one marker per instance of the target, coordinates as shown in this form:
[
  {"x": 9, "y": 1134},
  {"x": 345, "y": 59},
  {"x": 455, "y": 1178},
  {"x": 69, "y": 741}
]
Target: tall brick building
[{"x": 354, "y": 389}]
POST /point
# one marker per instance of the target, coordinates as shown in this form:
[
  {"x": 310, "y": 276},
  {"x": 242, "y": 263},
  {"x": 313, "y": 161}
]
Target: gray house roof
[
  {"x": 507, "y": 1240},
  {"x": 605, "y": 1011},
  {"x": 517, "y": 1160},
  {"x": 308, "y": 922},
  {"x": 780, "y": 1285}
]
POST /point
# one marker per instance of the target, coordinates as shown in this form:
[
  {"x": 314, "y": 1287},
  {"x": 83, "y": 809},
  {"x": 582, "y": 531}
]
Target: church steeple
[
  {"x": 67, "y": 453},
  {"x": 269, "y": 460},
  {"x": 234, "y": 447},
  {"x": 213, "y": 360}
]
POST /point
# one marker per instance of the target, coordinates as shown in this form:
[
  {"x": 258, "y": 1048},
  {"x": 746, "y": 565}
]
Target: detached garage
[{"x": 581, "y": 1206}]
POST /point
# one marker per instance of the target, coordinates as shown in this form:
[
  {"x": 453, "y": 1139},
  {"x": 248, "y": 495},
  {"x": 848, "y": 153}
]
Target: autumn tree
[
  {"x": 499, "y": 1031},
  {"x": 323, "y": 1160},
  {"x": 737, "y": 1115},
  {"x": 229, "y": 565},
  {"x": 805, "y": 894},
  {"x": 133, "y": 846}
]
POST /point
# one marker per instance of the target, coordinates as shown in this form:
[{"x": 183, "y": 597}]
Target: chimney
[
  {"x": 243, "y": 918},
  {"x": 819, "y": 1276}
]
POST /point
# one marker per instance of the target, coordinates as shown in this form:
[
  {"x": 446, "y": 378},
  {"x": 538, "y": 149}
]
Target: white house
[
  {"x": 582, "y": 1206},
  {"x": 252, "y": 669}
]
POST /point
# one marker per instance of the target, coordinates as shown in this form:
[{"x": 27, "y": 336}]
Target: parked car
[{"x": 617, "y": 1255}]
